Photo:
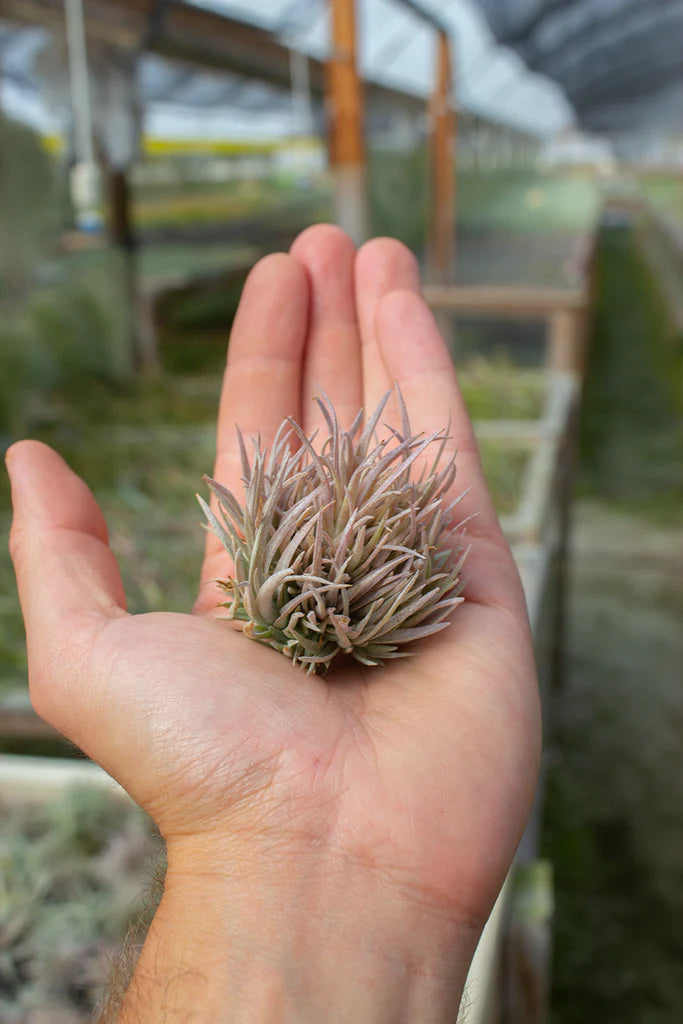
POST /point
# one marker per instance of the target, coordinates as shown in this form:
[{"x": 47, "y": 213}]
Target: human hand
[{"x": 359, "y": 824}]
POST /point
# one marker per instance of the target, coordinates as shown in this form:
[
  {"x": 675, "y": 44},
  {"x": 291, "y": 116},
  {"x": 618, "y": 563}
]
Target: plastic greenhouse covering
[
  {"x": 612, "y": 66},
  {"x": 620, "y": 62},
  {"x": 396, "y": 50}
]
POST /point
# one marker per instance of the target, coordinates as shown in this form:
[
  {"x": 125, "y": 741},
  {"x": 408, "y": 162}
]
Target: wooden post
[
  {"x": 563, "y": 341},
  {"x": 344, "y": 101},
  {"x": 441, "y": 242},
  {"x": 119, "y": 217}
]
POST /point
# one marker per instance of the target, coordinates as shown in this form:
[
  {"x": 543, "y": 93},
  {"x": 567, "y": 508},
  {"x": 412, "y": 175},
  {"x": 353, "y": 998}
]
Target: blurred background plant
[
  {"x": 71, "y": 876},
  {"x": 29, "y": 211}
]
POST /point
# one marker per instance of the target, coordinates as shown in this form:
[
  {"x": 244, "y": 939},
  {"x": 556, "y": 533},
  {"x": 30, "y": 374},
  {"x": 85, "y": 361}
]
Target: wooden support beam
[
  {"x": 564, "y": 341},
  {"x": 510, "y": 300},
  {"x": 23, "y": 723},
  {"x": 441, "y": 238},
  {"x": 566, "y": 311},
  {"x": 344, "y": 100}
]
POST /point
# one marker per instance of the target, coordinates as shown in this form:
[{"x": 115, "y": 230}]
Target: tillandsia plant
[{"x": 336, "y": 549}]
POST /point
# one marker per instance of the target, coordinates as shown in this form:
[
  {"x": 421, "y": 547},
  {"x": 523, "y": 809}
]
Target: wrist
[{"x": 343, "y": 942}]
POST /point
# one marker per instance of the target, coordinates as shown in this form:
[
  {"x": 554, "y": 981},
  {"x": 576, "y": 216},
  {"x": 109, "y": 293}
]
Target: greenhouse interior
[{"x": 527, "y": 158}]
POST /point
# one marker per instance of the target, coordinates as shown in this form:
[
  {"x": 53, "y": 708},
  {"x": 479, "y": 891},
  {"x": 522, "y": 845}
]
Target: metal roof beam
[
  {"x": 535, "y": 55},
  {"x": 614, "y": 55},
  {"x": 599, "y": 53},
  {"x": 608, "y": 41},
  {"x": 646, "y": 79},
  {"x": 197, "y": 36},
  {"x": 424, "y": 14},
  {"x": 519, "y": 34}
]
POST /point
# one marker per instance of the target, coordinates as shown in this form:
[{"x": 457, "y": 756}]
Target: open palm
[{"x": 425, "y": 768}]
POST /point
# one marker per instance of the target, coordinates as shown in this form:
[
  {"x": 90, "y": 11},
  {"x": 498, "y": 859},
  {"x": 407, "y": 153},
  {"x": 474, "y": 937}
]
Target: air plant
[{"x": 336, "y": 549}]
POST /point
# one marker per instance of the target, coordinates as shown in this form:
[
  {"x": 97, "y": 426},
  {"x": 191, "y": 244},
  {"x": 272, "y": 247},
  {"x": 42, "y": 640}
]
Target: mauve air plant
[{"x": 336, "y": 549}]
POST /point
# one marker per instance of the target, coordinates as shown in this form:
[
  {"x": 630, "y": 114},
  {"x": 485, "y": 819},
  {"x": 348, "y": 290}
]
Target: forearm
[{"x": 340, "y": 945}]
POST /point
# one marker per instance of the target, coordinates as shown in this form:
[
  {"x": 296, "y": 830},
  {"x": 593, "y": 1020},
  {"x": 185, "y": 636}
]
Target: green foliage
[
  {"x": 155, "y": 401},
  {"x": 27, "y": 372},
  {"x": 612, "y": 818},
  {"x": 398, "y": 196},
  {"x": 66, "y": 333},
  {"x": 495, "y": 389},
  {"x": 83, "y": 324},
  {"x": 612, "y": 835},
  {"x": 504, "y": 465},
  {"x": 527, "y": 201},
  {"x": 28, "y": 204},
  {"x": 632, "y": 425},
  {"x": 202, "y": 308},
  {"x": 195, "y": 324}
]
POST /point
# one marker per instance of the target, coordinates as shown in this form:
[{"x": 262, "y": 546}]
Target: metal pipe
[
  {"x": 80, "y": 86},
  {"x": 302, "y": 108}
]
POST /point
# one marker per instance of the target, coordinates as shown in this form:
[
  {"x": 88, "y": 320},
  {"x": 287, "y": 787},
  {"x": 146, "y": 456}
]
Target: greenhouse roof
[
  {"x": 249, "y": 43},
  {"x": 617, "y": 62},
  {"x": 620, "y": 62}
]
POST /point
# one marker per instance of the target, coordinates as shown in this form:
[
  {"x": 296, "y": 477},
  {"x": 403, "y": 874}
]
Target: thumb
[{"x": 68, "y": 578}]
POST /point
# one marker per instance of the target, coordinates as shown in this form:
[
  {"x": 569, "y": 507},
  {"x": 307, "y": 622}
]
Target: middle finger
[{"x": 332, "y": 360}]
